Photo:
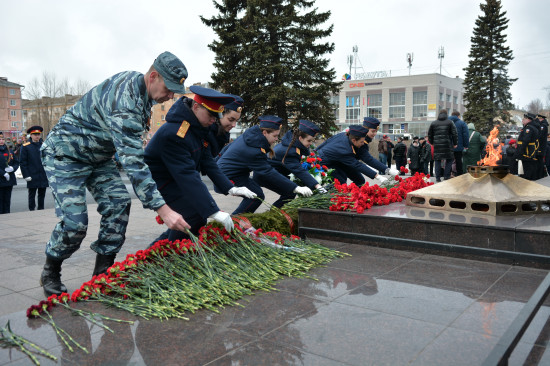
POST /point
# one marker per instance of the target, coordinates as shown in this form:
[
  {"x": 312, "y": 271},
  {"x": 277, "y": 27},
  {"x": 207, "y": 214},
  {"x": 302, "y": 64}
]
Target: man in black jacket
[
  {"x": 400, "y": 154},
  {"x": 444, "y": 138}
]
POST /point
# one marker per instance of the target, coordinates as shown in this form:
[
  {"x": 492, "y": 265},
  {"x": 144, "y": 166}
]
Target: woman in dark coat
[
  {"x": 444, "y": 138},
  {"x": 32, "y": 169},
  {"x": 9, "y": 164},
  {"x": 248, "y": 153},
  {"x": 288, "y": 156}
]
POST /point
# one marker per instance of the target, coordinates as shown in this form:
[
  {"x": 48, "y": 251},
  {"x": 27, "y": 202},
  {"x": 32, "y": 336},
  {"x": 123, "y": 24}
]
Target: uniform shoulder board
[
  {"x": 298, "y": 151},
  {"x": 26, "y": 143},
  {"x": 183, "y": 129},
  {"x": 263, "y": 150}
]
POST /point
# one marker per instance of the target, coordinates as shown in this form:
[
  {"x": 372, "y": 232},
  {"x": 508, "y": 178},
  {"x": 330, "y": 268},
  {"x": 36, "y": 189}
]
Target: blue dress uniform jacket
[
  {"x": 528, "y": 150},
  {"x": 31, "y": 165},
  {"x": 7, "y": 157},
  {"x": 339, "y": 154},
  {"x": 293, "y": 159},
  {"x": 176, "y": 154},
  {"x": 248, "y": 153},
  {"x": 368, "y": 159}
]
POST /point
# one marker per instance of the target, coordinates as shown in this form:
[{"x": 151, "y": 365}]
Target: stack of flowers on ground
[{"x": 218, "y": 268}]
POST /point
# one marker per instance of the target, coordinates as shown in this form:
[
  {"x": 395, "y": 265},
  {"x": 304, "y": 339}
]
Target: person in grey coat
[
  {"x": 442, "y": 135},
  {"x": 463, "y": 140}
]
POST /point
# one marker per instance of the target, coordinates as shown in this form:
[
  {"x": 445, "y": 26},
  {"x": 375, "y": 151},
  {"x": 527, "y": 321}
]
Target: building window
[
  {"x": 449, "y": 98},
  {"x": 397, "y": 105},
  {"x": 420, "y": 104},
  {"x": 374, "y": 106},
  {"x": 162, "y": 107},
  {"x": 162, "y": 117},
  {"x": 12, "y": 91},
  {"x": 14, "y": 124},
  {"x": 456, "y": 100},
  {"x": 13, "y": 102},
  {"x": 441, "y": 97},
  {"x": 13, "y": 113},
  {"x": 352, "y": 108}
]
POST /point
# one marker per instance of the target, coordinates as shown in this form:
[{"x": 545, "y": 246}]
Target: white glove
[
  {"x": 7, "y": 176},
  {"x": 223, "y": 218},
  {"x": 322, "y": 190},
  {"x": 243, "y": 192},
  {"x": 381, "y": 178},
  {"x": 304, "y": 191},
  {"x": 9, "y": 169},
  {"x": 28, "y": 179},
  {"x": 392, "y": 171}
]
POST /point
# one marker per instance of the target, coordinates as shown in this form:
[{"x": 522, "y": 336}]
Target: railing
[{"x": 506, "y": 344}]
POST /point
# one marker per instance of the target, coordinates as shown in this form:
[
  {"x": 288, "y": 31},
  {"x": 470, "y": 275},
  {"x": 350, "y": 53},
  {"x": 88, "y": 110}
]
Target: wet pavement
[{"x": 378, "y": 307}]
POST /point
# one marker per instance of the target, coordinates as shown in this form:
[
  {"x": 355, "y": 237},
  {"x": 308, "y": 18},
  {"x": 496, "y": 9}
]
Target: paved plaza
[{"x": 378, "y": 307}]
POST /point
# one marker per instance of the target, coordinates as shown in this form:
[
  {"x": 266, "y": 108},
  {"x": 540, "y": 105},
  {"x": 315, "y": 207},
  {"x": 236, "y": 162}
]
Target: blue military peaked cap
[
  {"x": 172, "y": 70},
  {"x": 308, "y": 127},
  {"x": 211, "y": 99},
  {"x": 35, "y": 129},
  {"x": 358, "y": 131},
  {"x": 236, "y": 105},
  {"x": 371, "y": 122},
  {"x": 530, "y": 116},
  {"x": 273, "y": 122}
]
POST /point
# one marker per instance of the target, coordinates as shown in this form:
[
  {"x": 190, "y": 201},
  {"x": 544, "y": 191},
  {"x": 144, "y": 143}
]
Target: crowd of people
[
  {"x": 451, "y": 146},
  {"x": 110, "y": 119}
]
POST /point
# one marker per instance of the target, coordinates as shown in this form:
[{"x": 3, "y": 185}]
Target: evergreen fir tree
[
  {"x": 271, "y": 53},
  {"x": 487, "y": 84}
]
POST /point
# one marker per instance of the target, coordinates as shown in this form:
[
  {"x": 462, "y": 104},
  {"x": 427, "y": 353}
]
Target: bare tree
[
  {"x": 51, "y": 97},
  {"x": 535, "y": 106}
]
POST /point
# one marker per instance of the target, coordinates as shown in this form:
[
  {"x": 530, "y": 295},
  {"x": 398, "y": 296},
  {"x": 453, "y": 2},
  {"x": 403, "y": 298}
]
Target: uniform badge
[
  {"x": 297, "y": 151},
  {"x": 183, "y": 129},
  {"x": 263, "y": 150},
  {"x": 205, "y": 144},
  {"x": 239, "y": 109}
]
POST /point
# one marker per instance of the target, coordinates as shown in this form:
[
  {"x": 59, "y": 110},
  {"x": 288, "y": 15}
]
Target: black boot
[
  {"x": 50, "y": 279},
  {"x": 103, "y": 262}
]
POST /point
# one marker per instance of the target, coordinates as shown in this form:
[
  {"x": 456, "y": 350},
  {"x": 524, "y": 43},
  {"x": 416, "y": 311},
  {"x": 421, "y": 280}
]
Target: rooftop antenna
[
  {"x": 350, "y": 62},
  {"x": 410, "y": 57},
  {"x": 440, "y": 55}
]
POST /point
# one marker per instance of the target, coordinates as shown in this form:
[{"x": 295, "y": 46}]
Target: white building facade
[{"x": 403, "y": 104}]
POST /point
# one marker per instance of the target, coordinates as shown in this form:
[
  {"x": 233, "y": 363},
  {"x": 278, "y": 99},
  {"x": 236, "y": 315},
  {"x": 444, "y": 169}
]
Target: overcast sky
[{"x": 91, "y": 40}]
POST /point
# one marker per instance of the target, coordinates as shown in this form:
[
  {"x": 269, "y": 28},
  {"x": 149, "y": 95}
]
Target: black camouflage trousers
[{"x": 68, "y": 179}]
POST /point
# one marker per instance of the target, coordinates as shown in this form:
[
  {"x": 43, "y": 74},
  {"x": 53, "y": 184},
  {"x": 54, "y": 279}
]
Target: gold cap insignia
[
  {"x": 182, "y": 80},
  {"x": 239, "y": 109}
]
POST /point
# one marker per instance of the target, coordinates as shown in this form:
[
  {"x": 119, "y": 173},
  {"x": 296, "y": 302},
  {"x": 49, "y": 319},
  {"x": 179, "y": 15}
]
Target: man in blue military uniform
[
  {"x": 372, "y": 125},
  {"x": 528, "y": 150},
  {"x": 249, "y": 153},
  {"x": 179, "y": 149},
  {"x": 77, "y": 155},
  {"x": 543, "y": 123},
  {"x": 32, "y": 169},
  {"x": 288, "y": 159},
  {"x": 219, "y": 131},
  {"x": 341, "y": 153}
]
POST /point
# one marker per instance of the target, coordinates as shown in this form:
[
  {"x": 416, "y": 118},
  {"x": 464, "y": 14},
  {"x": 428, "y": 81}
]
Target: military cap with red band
[
  {"x": 211, "y": 99},
  {"x": 35, "y": 129}
]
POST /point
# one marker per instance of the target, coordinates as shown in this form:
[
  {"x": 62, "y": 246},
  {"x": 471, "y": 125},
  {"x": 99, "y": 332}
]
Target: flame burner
[{"x": 488, "y": 190}]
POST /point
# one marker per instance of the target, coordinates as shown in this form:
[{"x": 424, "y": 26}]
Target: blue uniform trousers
[
  {"x": 5, "y": 199},
  {"x": 68, "y": 179},
  {"x": 41, "y": 197},
  {"x": 267, "y": 183}
]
